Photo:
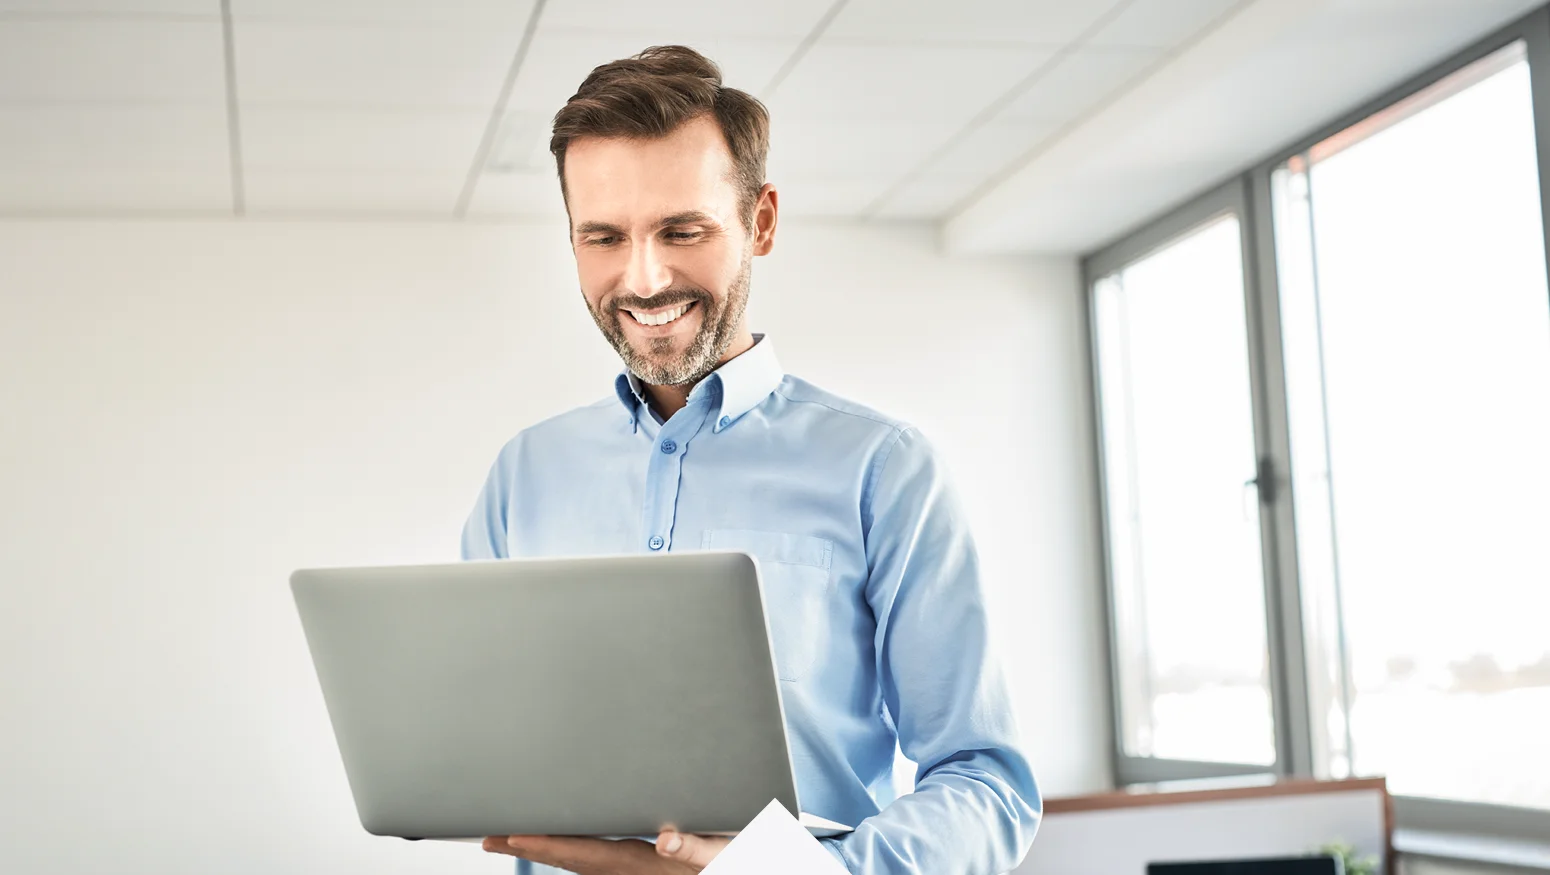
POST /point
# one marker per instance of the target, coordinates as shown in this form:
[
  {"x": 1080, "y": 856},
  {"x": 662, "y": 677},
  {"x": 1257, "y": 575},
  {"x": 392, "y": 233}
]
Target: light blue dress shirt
[{"x": 872, "y": 584}]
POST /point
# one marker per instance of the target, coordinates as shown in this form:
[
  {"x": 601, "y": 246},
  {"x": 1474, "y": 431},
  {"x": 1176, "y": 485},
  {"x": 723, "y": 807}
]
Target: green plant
[{"x": 1353, "y": 864}]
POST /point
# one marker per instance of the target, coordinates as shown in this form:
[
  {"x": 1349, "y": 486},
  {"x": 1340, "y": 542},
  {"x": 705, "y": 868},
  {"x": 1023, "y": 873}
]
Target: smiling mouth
[{"x": 661, "y": 317}]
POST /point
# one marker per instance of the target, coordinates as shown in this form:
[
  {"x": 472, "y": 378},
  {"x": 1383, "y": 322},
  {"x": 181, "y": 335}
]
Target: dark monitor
[{"x": 1274, "y": 866}]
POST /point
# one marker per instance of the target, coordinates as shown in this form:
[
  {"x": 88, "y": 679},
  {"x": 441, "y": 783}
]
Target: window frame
[
  {"x": 1248, "y": 194},
  {"x": 1230, "y": 199}
]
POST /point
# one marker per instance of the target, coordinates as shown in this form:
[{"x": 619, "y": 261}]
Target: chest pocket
[{"x": 795, "y": 572}]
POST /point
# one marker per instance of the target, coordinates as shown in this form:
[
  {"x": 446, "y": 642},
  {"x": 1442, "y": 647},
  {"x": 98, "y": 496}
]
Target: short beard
[{"x": 718, "y": 328}]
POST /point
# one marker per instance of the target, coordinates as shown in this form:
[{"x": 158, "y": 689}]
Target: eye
[
  {"x": 606, "y": 240},
  {"x": 682, "y": 236}
]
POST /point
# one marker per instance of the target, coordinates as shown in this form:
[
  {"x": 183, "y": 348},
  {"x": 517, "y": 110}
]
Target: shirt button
[
  {"x": 669, "y": 447},
  {"x": 725, "y": 421},
  {"x": 656, "y": 543}
]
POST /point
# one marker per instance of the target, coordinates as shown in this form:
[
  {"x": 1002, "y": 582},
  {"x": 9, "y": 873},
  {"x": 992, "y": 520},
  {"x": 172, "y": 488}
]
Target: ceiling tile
[
  {"x": 869, "y": 82},
  {"x": 345, "y": 193},
  {"x": 379, "y": 66},
  {"x": 114, "y": 8},
  {"x": 974, "y": 159},
  {"x": 928, "y": 197},
  {"x": 1081, "y": 81},
  {"x": 837, "y": 196},
  {"x": 558, "y": 61},
  {"x": 748, "y": 18},
  {"x": 1036, "y": 22},
  {"x": 802, "y": 147},
  {"x": 517, "y": 195},
  {"x": 94, "y": 190},
  {"x": 449, "y": 13},
  {"x": 1162, "y": 24},
  {"x": 111, "y": 61},
  {"x": 309, "y": 138},
  {"x": 991, "y": 148},
  {"x": 522, "y": 144},
  {"x": 111, "y": 138}
]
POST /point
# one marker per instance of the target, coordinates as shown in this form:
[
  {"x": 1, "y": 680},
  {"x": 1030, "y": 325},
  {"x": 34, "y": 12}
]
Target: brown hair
[{"x": 651, "y": 95}]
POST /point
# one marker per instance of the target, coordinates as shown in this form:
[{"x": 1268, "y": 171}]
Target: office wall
[{"x": 189, "y": 411}]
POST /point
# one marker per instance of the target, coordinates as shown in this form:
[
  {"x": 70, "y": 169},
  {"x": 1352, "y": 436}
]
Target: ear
[{"x": 766, "y": 212}]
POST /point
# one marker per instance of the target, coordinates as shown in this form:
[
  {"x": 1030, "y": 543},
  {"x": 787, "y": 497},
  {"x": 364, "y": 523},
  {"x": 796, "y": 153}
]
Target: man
[{"x": 872, "y": 582}]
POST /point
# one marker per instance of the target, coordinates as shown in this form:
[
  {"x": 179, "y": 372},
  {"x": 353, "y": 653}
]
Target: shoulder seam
[
  {"x": 891, "y": 423},
  {"x": 875, "y": 471}
]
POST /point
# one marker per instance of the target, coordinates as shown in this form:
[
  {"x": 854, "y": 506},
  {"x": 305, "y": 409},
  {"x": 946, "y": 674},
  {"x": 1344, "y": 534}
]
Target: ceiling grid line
[
  {"x": 1000, "y": 121},
  {"x": 233, "y": 112},
  {"x": 803, "y": 48},
  {"x": 492, "y": 128},
  {"x": 994, "y": 108}
]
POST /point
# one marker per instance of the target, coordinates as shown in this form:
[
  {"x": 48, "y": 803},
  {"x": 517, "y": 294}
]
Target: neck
[{"x": 668, "y": 400}]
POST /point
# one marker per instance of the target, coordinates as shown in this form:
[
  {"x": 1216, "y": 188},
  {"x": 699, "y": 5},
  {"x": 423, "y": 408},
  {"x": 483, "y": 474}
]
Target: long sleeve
[
  {"x": 484, "y": 534},
  {"x": 976, "y": 805}
]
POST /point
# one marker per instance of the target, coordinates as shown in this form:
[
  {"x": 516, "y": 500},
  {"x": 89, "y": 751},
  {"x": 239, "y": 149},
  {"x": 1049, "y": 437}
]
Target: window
[
  {"x": 1416, "y": 332},
  {"x": 1184, "y": 545},
  {"x": 1323, "y": 399}
]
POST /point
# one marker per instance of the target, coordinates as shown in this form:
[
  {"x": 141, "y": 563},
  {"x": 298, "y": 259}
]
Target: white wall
[{"x": 190, "y": 411}]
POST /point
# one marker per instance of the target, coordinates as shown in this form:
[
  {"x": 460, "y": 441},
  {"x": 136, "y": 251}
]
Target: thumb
[{"x": 694, "y": 851}]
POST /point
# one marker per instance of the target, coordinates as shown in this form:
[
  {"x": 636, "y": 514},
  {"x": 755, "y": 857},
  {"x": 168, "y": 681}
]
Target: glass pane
[
  {"x": 1328, "y": 682},
  {"x": 1178, "y": 444},
  {"x": 1417, "y": 339}
]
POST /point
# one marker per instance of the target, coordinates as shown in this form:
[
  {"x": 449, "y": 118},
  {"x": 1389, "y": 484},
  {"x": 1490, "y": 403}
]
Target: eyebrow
[
  {"x": 598, "y": 228},
  {"x": 688, "y": 217}
]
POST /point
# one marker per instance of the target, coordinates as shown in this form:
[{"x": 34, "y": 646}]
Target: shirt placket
[{"x": 664, "y": 475}]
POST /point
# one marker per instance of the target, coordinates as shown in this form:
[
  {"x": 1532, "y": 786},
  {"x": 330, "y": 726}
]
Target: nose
[{"x": 647, "y": 273}]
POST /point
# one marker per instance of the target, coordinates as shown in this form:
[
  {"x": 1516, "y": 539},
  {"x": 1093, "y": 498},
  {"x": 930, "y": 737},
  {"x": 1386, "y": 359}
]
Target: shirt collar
[{"x": 736, "y": 387}]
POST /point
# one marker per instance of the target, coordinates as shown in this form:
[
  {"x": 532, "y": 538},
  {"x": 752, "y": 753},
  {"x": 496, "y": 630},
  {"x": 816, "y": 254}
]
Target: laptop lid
[
  {"x": 1315, "y": 865},
  {"x": 596, "y": 696}
]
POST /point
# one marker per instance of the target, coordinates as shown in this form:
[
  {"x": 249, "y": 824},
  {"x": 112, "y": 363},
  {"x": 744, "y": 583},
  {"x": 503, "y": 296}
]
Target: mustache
[{"x": 668, "y": 298}]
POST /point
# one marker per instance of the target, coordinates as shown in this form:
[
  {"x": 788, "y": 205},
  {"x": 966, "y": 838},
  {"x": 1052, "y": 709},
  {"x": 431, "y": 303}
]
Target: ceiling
[
  {"x": 1273, "y": 73},
  {"x": 1013, "y": 122}
]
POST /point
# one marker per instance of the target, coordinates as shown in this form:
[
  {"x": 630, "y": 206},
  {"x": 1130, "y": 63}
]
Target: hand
[{"x": 674, "y": 853}]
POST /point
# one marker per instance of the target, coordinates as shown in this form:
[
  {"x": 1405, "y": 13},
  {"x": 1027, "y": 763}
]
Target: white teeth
[{"x": 662, "y": 318}]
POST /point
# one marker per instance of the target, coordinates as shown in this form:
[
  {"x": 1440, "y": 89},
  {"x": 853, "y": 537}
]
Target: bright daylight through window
[
  {"x": 1416, "y": 335},
  {"x": 1183, "y": 522}
]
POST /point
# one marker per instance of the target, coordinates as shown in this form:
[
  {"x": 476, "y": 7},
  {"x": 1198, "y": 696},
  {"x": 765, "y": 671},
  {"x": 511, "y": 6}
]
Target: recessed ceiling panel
[
  {"x": 739, "y": 18},
  {"x": 941, "y": 85},
  {"x": 559, "y": 61},
  {"x": 310, "y": 138},
  {"x": 129, "y": 61},
  {"x": 1030, "y": 22},
  {"x": 373, "y": 65}
]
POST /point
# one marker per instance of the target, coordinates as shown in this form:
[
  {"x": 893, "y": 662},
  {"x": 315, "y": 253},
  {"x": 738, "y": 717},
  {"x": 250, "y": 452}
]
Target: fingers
[
  {"x": 575, "y": 854},
  {"x": 549, "y": 850},
  {"x": 693, "y": 851},
  {"x": 501, "y": 845}
]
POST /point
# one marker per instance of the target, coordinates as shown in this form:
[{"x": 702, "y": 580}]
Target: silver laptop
[{"x": 605, "y": 696}]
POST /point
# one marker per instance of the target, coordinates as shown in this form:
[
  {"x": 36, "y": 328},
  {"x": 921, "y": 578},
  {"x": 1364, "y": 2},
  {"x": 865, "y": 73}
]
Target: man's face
[{"x": 662, "y": 253}]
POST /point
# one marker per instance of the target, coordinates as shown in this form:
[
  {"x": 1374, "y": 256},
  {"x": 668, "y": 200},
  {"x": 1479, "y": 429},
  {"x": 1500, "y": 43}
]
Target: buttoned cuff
[{"x": 833, "y": 847}]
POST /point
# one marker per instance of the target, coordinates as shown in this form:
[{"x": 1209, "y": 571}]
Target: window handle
[{"x": 1263, "y": 483}]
